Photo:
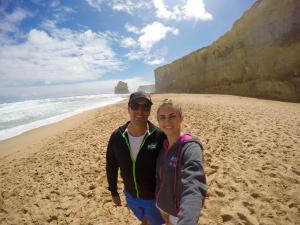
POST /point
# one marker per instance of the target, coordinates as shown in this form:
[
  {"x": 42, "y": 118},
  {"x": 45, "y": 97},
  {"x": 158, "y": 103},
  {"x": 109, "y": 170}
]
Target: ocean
[{"x": 22, "y": 116}]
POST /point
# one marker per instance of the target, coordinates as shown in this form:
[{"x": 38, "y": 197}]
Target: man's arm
[{"x": 112, "y": 172}]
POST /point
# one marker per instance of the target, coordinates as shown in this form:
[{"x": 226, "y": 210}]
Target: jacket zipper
[{"x": 134, "y": 161}]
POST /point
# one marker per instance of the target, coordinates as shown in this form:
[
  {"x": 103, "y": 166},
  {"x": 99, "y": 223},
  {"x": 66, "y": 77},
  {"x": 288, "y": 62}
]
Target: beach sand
[{"x": 56, "y": 174}]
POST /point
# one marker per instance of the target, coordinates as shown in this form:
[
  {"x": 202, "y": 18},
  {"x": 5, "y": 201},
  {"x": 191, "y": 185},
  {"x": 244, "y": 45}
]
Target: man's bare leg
[
  {"x": 145, "y": 221},
  {"x": 165, "y": 217}
]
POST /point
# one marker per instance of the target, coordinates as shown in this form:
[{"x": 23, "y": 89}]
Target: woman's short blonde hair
[{"x": 170, "y": 102}]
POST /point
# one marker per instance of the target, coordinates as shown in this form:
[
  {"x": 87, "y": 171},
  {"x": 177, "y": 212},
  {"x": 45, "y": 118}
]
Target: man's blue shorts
[{"x": 144, "y": 208}]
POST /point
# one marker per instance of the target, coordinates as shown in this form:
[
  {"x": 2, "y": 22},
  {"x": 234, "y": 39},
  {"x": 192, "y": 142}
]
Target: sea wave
[{"x": 19, "y": 117}]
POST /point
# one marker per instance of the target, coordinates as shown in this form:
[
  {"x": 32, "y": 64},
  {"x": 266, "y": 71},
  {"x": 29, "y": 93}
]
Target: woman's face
[{"x": 169, "y": 120}]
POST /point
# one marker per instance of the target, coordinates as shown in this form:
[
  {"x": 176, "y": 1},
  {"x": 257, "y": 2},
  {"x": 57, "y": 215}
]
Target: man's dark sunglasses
[{"x": 144, "y": 107}]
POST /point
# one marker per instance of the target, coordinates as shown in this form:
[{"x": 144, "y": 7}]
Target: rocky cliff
[
  {"x": 147, "y": 88},
  {"x": 121, "y": 88},
  {"x": 258, "y": 57}
]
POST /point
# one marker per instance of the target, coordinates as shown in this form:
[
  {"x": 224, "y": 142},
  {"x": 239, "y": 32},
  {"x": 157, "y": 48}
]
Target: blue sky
[{"x": 77, "y": 47}]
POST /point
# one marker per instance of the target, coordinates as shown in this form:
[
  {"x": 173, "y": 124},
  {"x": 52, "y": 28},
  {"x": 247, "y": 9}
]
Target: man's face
[{"x": 139, "y": 111}]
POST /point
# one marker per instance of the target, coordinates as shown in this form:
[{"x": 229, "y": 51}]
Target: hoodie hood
[
  {"x": 184, "y": 137},
  {"x": 187, "y": 137}
]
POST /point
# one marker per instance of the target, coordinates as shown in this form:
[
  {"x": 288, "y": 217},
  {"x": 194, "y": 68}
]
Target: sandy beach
[{"x": 56, "y": 174}]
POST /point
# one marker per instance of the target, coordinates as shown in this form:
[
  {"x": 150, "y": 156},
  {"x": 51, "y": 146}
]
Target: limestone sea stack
[
  {"x": 121, "y": 88},
  {"x": 258, "y": 57}
]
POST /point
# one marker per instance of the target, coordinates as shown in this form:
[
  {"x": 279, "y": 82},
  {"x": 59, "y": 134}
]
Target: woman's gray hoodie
[{"x": 180, "y": 180}]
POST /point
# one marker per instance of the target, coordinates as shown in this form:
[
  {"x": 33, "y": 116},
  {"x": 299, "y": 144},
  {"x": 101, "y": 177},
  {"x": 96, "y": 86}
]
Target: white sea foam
[{"x": 19, "y": 117}]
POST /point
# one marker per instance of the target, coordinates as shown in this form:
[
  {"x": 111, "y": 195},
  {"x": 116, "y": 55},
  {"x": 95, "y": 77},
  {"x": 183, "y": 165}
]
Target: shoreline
[
  {"x": 251, "y": 152},
  {"x": 38, "y": 135},
  {"x": 20, "y": 129}
]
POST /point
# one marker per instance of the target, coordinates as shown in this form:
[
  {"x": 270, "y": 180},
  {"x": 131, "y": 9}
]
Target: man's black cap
[{"x": 140, "y": 94}]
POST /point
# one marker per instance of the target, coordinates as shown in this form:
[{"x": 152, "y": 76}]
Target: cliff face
[
  {"x": 121, "y": 88},
  {"x": 259, "y": 57},
  {"x": 147, "y": 88}
]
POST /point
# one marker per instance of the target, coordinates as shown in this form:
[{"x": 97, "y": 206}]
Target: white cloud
[
  {"x": 156, "y": 61},
  {"x": 153, "y": 33},
  {"x": 119, "y": 7},
  {"x": 191, "y": 10},
  {"x": 132, "y": 29},
  {"x": 195, "y": 9},
  {"x": 129, "y": 6},
  {"x": 157, "y": 56},
  {"x": 135, "y": 55},
  {"x": 149, "y": 36},
  {"x": 64, "y": 10},
  {"x": 128, "y": 42},
  {"x": 163, "y": 11},
  {"x": 150, "y": 58},
  {"x": 95, "y": 4},
  {"x": 9, "y": 22},
  {"x": 56, "y": 55},
  {"x": 126, "y": 6}
]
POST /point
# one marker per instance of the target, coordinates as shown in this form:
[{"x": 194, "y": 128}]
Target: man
[{"x": 134, "y": 148}]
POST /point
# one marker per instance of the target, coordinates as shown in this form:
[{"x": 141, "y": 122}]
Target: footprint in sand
[{"x": 226, "y": 217}]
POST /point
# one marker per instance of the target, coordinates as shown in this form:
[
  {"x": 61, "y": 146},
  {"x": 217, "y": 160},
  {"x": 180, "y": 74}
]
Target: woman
[{"x": 181, "y": 182}]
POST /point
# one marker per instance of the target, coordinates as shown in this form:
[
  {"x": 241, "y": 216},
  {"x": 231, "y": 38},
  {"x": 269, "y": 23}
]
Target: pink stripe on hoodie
[{"x": 184, "y": 137}]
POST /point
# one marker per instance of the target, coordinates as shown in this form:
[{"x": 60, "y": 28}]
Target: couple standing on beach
[{"x": 162, "y": 169}]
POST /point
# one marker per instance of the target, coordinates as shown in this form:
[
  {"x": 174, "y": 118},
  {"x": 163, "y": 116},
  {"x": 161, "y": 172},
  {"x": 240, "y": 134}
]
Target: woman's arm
[{"x": 193, "y": 184}]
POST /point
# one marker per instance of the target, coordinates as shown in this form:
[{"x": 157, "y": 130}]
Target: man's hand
[{"x": 116, "y": 200}]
